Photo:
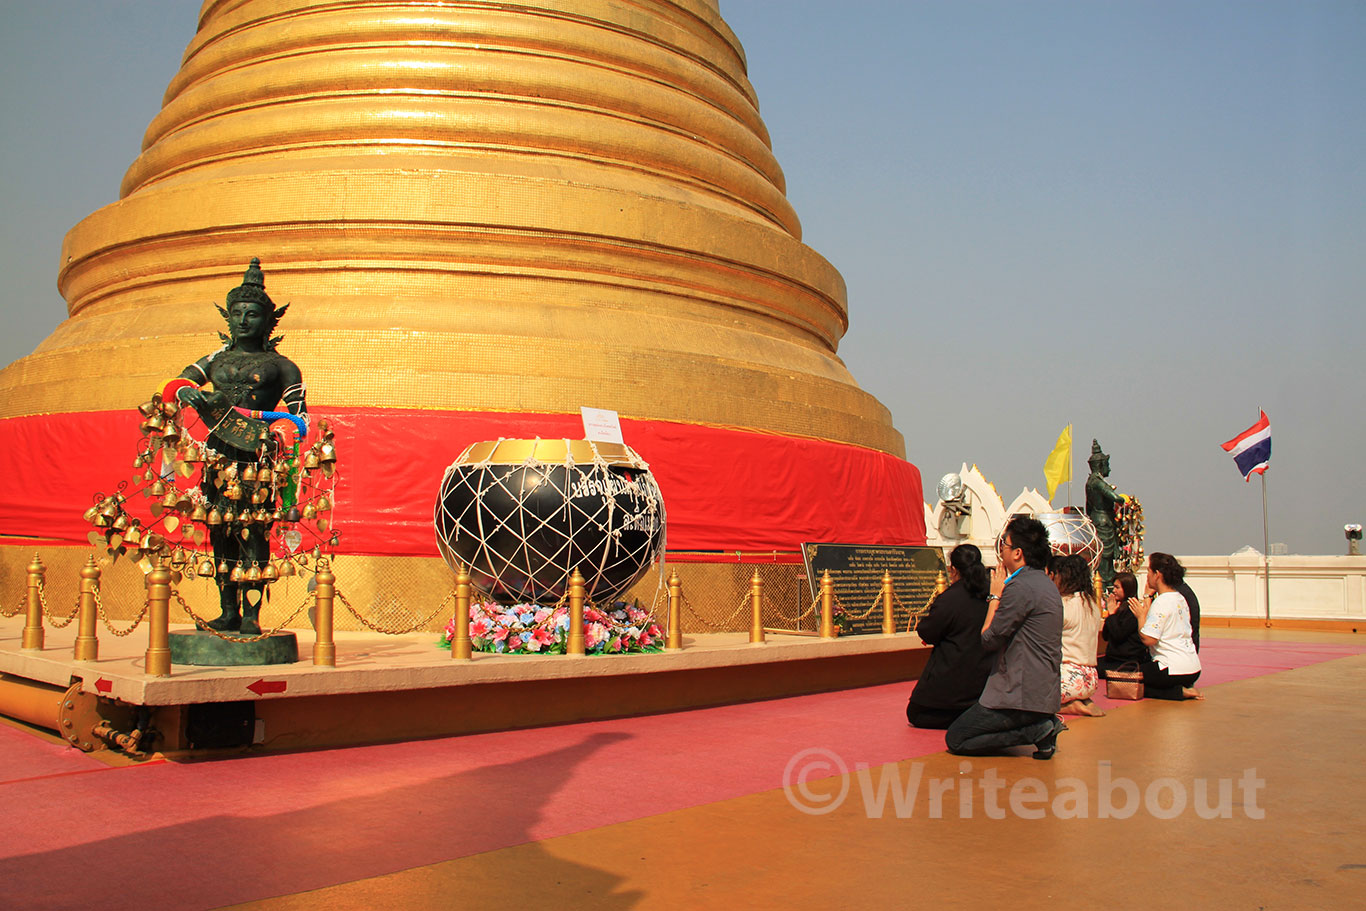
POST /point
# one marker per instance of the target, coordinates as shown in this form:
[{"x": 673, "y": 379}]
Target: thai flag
[{"x": 1251, "y": 449}]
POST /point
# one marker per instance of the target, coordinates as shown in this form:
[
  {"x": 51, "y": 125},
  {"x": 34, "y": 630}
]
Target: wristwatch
[{"x": 993, "y": 597}]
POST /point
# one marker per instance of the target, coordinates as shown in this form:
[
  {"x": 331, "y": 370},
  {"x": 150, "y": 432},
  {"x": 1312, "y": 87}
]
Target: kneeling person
[{"x": 1024, "y": 626}]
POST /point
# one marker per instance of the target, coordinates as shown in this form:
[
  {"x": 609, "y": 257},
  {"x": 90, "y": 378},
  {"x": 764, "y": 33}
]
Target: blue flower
[{"x": 526, "y": 618}]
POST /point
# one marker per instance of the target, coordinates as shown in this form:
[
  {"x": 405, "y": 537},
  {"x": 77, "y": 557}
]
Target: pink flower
[
  {"x": 478, "y": 628},
  {"x": 542, "y": 615},
  {"x": 515, "y": 642},
  {"x": 500, "y": 634},
  {"x": 594, "y": 635},
  {"x": 542, "y": 637},
  {"x": 645, "y": 641}
]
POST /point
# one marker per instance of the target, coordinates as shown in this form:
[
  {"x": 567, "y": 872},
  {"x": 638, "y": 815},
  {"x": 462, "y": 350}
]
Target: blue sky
[{"x": 1143, "y": 218}]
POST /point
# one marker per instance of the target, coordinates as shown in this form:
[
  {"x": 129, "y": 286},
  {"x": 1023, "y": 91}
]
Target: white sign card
[{"x": 601, "y": 426}]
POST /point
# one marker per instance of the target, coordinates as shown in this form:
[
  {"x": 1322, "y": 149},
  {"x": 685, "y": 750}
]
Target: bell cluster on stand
[
  {"x": 294, "y": 493},
  {"x": 1129, "y": 519}
]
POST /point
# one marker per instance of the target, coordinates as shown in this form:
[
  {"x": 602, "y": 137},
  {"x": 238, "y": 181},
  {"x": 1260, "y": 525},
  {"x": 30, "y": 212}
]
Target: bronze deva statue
[
  {"x": 246, "y": 372},
  {"x": 1101, "y": 501}
]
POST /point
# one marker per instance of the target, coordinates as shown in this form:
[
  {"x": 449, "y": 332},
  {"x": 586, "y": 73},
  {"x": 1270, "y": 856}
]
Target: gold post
[
  {"x": 941, "y": 584},
  {"x": 33, "y": 617},
  {"x": 674, "y": 638},
  {"x": 828, "y": 630},
  {"x": 324, "y": 648},
  {"x": 575, "y": 646},
  {"x": 756, "y": 606},
  {"x": 1099, "y": 586},
  {"x": 159, "y": 620},
  {"x": 888, "y": 624},
  {"x": 461, "y": 646},
  {"x": 87, "y": 641}
]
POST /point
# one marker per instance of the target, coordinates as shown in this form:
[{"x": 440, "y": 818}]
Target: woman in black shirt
[
  {"x": 1120, "y": 631},
  {"x": 958, "y": 668}
]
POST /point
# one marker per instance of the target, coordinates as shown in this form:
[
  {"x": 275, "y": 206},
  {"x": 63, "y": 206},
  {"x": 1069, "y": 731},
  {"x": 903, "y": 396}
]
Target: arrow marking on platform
[
  {"x": 261, "y": 687},
  {"x": 103, "y": 686}
]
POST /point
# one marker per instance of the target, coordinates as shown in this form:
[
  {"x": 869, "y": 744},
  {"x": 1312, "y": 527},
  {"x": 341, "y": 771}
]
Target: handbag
[{"x": 1123, "y": 683}]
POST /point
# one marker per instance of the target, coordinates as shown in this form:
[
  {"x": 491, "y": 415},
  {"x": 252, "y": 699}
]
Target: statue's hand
[{"x": 192, "y": 397}]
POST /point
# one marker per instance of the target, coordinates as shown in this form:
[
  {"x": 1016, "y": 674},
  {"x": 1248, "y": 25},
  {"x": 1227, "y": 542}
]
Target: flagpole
[
  {"x": 1071, "y": 445},
  {"x": 1266, "y": 557}
]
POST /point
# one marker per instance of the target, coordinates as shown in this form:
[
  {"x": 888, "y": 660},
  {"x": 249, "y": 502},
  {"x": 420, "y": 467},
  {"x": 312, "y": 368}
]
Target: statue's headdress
[
  {"x": 253, "y": 289},
  {"x": 1097, "y": 454}
]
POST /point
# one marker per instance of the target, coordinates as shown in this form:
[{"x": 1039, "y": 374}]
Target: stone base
[{"x": 202, "y": 648}]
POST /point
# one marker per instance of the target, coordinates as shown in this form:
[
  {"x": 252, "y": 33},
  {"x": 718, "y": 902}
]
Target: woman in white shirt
[
  {"x": 1080, "y": 634},
  {"x": 1164, "y": 623}
]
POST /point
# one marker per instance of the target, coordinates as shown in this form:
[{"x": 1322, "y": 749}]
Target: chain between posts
[
  {"x": 394, "y": 631},
  {"x": 913, "y": 613},
  {"x": 104, "y": 618},
  {"x": 810, "y": 609},
  {"x": 877, "y": 603},
  {"x": 203, "y": 624},
  {"x": 23, "y": 603},
  {"x": 744, "y": 606},
  {"x": 47, "y": 611}
]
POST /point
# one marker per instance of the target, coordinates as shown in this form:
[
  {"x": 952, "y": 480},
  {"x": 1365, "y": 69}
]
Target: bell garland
[
  {"x": 1130, "y": 530},
  {"x": 288, "y": 487}
]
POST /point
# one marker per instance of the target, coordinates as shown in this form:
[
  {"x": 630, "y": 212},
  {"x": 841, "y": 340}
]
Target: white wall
[{"x": 1302, "y": 587}]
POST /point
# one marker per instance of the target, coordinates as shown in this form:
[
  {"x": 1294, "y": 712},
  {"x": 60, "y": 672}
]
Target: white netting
[{"x": 523, "y": 528}]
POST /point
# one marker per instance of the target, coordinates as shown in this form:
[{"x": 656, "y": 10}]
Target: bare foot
[
  {"x": 1082, "y": 707},
  {"x": 1071, "y": 708},
  {"x": 1191, "y": 692}
]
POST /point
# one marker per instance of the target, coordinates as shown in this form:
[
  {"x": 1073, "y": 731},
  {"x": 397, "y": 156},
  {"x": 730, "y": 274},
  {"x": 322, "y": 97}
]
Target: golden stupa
[{"x": 483, "y": 209}]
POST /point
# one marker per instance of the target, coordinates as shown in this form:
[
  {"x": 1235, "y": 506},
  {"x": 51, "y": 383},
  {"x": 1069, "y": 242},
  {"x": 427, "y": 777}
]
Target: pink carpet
[{"x": 207, "y": 834}]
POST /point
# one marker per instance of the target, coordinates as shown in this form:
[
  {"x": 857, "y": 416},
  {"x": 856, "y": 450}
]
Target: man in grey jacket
[{"x": 1024, "y": 627}]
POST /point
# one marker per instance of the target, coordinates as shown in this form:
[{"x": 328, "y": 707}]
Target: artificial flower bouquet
[{"x": 534, "y": 629}]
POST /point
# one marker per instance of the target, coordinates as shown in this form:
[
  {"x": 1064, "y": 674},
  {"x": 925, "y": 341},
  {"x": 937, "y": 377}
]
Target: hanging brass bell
[
  {"x": 249, "y": 474},
  {"x": 287, "y": 568},
  {"x": 311, "y": 460},
  {"x": 327, "y": 453},
  {"x": 310, "y": 511},
  {"x": 234, "y": 491},
  {"x": 139, "y": 461},
  {"x": 262, "y": 515},
  {"x": 229, "y": 517},
  {"x": 171, "y": 435},
  {"x": 205, "y": 568},
  {"x": 90, "y": 514},
  {"x": 324, "y": 504},
  {"x": 237, "y": 575},
  {"x": 147, "y": 407},
  {"x": 154, "y": 424},
  {"x": 277, "y": 516},
  {"x": 172, "y": 499},
  {"x": 214, "y": 518},
  {"x": 133, "y": 535},
  {"x": 109, "y": 508},
  {"x": 265, "y": 477},
  {"x": 253, "y": 574},
  {"x": 200, "y": 514},
  {"x": 158, "y": 488},
  {"x": 121, "y": 522},
  {"x": 293, "y": 515}
]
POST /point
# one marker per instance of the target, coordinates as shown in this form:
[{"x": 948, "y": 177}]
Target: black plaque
[{"x": 856, "y": 571}]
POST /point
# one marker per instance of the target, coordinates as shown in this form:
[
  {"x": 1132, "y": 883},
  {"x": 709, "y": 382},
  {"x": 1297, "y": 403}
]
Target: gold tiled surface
[{"x": 499, "y": 207}]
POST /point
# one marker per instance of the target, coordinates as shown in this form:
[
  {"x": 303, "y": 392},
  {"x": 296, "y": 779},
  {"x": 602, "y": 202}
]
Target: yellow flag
[{"x": 1058, "y": 466}]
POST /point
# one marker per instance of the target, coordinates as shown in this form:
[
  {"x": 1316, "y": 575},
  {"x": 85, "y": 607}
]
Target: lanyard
[{"x": 1012, "y": 576}]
